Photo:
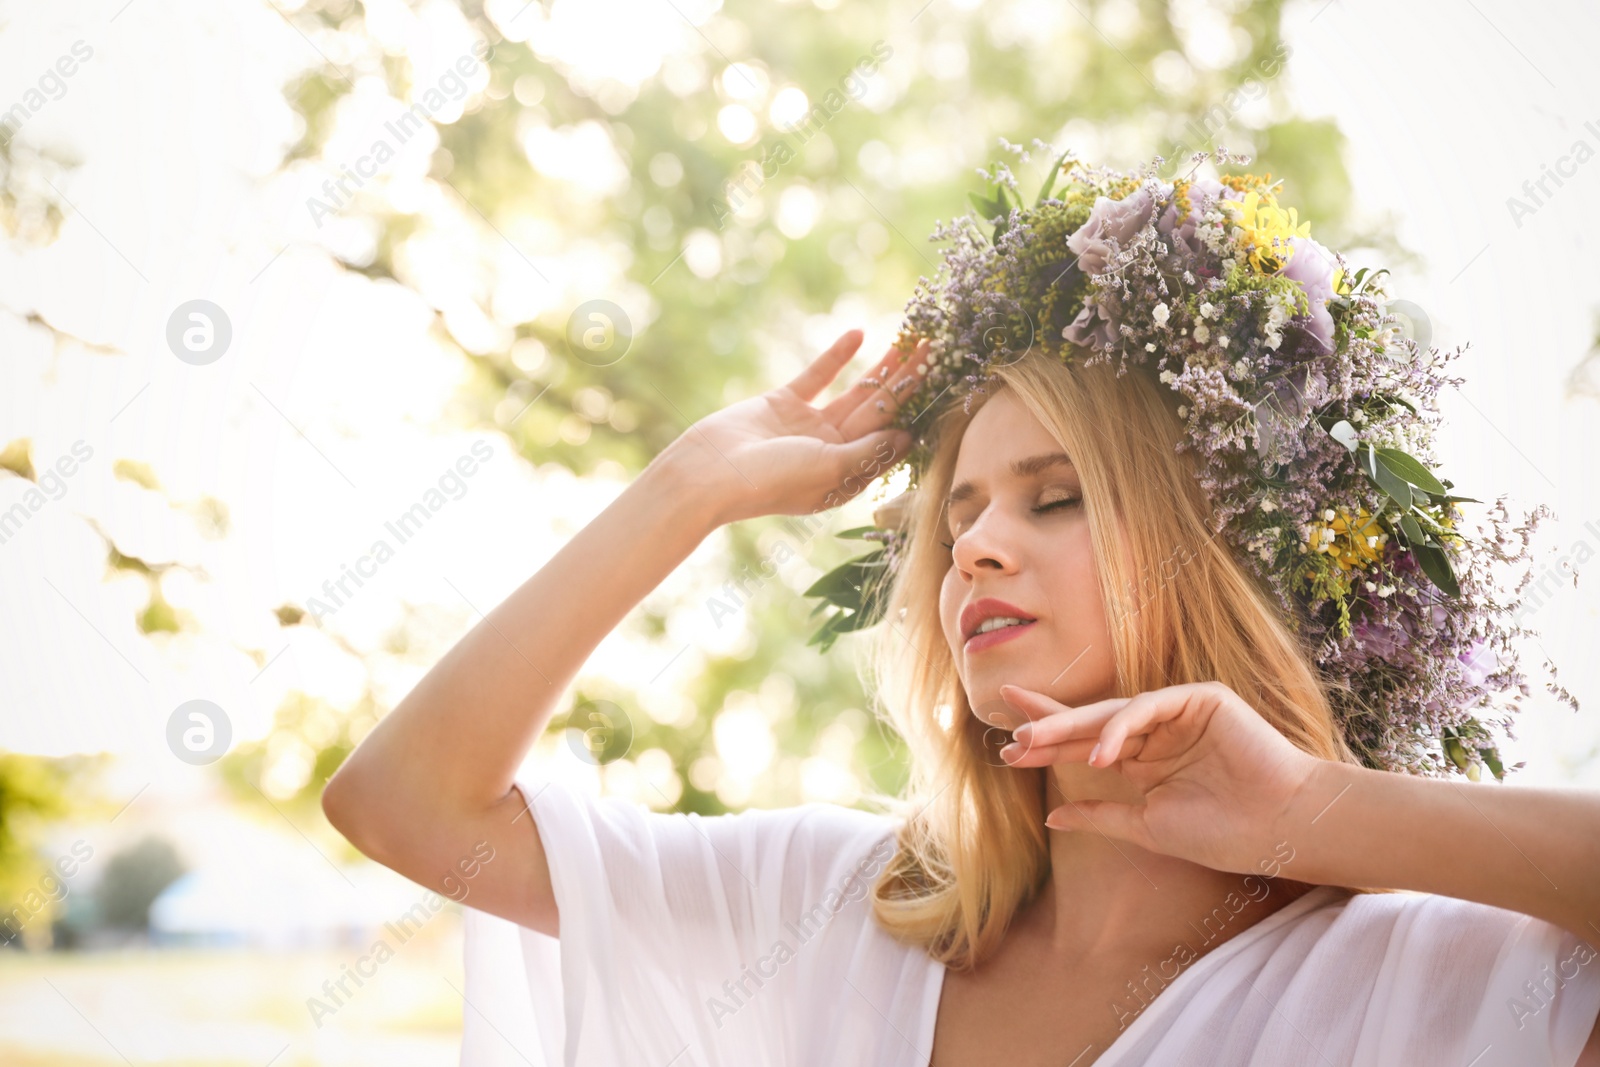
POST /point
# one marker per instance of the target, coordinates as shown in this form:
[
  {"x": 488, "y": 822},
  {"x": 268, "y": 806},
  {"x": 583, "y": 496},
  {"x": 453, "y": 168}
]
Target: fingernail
[
  {"x": 1023, "y": 733},
  {"x": 1011, "y": 752},
  {"x": 1093, "y": 752}
]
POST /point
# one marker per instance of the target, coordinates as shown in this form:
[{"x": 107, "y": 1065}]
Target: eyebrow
[{"x": 1022, "y": 468}]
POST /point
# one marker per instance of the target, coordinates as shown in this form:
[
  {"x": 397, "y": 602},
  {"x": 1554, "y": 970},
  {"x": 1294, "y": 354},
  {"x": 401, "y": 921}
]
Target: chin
[{"x": 1063, "y": 679}]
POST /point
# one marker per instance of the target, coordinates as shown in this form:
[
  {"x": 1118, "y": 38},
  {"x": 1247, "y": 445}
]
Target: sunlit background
[{"x": 398, "y": 214}]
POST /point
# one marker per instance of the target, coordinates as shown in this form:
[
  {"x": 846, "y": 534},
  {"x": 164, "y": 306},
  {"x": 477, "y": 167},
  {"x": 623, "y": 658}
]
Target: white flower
[
  {"x": 1167, "y": 377},
  {"x": 1273, "y": 341},
  {"x": 1188, "y": 278},
  {"x": 1240, "y": 368},
  {"x": 1201, "y": 332},
  {"x": 1208, "y": 310},
  {"x": 1149, "y": 346},
  {"x": 1183, "y": 411},
  {"x": 1358, "y": 415},
  {"x": 1385, "y": 590},
  {"x": 1223, "y": 341},
  {"x": 1327, "y": 515},
  {"x": 1160, "y": 313},
  {"x": 1268, "y": 506}
]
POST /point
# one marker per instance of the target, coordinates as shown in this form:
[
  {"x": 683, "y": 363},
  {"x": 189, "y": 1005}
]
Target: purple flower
[
  {"x": 1311, "y": 267},
  {"x": 1481, "y": 661},
  {"x": 1378, "y": 639},
  {"x": 1109, "y": 221},
  {"x": 1093, "y": 328},
  {"x": 1202, "y": 193}
]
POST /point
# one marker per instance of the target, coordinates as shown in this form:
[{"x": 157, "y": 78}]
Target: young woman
[
  {"x": 1149, "y": 873},
  {"x": 1188, "y": 559}
]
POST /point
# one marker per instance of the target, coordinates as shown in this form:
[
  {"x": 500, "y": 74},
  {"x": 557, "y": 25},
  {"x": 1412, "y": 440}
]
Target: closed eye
[{"x": 1041, "y": 509}]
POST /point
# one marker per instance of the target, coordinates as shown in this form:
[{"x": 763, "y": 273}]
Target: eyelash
[{"x": 1040, "y": 510}]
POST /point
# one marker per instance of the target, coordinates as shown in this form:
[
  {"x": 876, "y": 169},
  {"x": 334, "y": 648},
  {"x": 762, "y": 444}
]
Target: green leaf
[
  {"x": 852, "y": 583},
  {"x": 987, "y": 209},
  {"x": 1412, "y": 471},
  {"x": 1491, "y": 759},
  {"x": 1386, "y": 479},
  {"x": 857, "y": 532},
  {"x": 1436, "y": 565},
  {"x": 1050, "y": 181},
  {"x": 1413, "y": 531},
  {"x": 1455, "y": 751}
]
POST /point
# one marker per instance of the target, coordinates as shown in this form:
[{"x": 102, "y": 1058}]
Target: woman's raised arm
[{"x": 429, "y": 791}]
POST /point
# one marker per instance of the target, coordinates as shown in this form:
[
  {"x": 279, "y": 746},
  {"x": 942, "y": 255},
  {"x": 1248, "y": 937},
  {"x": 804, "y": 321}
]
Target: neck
[{"x": 1105, "y": 894}]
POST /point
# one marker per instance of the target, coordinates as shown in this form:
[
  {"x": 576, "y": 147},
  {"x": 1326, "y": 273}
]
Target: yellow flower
[
  {"x": 1353, "y": 541},
  {"x": 1267, "y": 228}
]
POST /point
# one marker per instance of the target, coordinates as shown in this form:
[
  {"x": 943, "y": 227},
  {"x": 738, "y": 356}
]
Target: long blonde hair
[{"x": 972, "y": 846}]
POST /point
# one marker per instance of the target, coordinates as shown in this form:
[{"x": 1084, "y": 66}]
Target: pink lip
[
  {"x": 980, "y": 611},
  {"x": 979, "y": 642}
]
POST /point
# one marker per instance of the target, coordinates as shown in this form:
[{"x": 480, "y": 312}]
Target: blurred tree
[
  {"x": 33, "y": 792},
  {"x": 773, "y": 163},
  {"x": 133, "y": 878}
]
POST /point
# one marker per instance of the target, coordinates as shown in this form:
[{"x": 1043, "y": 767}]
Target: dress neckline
[{"x": 1308, "y": 901}]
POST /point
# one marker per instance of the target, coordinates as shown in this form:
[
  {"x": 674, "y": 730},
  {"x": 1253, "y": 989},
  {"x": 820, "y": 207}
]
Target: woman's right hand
[{"x": 777, "y": 454}]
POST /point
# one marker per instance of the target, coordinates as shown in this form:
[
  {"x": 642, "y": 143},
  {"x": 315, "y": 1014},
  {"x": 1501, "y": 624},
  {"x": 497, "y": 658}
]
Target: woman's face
[{"x": 1021, "y": 602}]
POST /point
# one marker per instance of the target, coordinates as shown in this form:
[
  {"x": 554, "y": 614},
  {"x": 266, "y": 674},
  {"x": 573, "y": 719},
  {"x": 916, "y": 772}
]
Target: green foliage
[{"x": 34, "y": 791}]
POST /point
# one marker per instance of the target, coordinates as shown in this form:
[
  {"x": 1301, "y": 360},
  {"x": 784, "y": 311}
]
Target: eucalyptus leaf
[
  {"x": 1436, "y": 565},
  {"x": 1386, "y": 479},
  {"x": 1413, "y": 531},
  {"x": 1411, "y": 470}
]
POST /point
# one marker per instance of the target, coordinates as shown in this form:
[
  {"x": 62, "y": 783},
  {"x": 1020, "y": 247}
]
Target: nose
[{"x": 985, "y": 546}]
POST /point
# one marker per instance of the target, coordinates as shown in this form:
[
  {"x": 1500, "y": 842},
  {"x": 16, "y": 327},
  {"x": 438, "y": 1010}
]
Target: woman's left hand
[{"x": 1215, "y": 776}]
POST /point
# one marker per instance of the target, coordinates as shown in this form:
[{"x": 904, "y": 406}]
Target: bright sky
[{"x": 326, "y": 417}]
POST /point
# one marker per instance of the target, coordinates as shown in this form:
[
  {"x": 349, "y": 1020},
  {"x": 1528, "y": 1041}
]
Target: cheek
[{"x": 1071, "y": 576}]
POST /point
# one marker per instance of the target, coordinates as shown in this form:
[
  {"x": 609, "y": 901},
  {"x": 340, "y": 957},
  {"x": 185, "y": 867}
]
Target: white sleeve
[
  {"x": 1508, "y": 989},
  {"x": 667, "y": 926}
]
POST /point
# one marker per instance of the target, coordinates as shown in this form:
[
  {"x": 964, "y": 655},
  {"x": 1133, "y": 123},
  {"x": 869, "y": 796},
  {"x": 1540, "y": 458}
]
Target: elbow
[{"x": 348, "y": 810}]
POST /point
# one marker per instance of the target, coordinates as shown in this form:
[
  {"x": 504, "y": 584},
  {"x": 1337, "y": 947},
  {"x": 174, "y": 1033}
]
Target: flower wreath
[{"x": 1310, "y": 410}]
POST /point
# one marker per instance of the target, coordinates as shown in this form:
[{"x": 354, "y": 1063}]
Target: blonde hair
[{"x": 972, "y": 846}]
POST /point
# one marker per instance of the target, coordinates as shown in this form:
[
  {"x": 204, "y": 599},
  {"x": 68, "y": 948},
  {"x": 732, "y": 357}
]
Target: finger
[
  {"x": 1019, "y": 754},
  {"x": 1076, "y": 751},
  {"x": 878, "y": 409},
  {"x": 822, "y": 370},
  {"x": 1051, "y": 722},
  {"x": 1141, "y": 715},
  {"x": 874, "y": 385},
  {"x": 1109, "y": 817}
]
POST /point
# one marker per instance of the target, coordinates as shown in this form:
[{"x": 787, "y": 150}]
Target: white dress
[{"x": 747, "y": 940}]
